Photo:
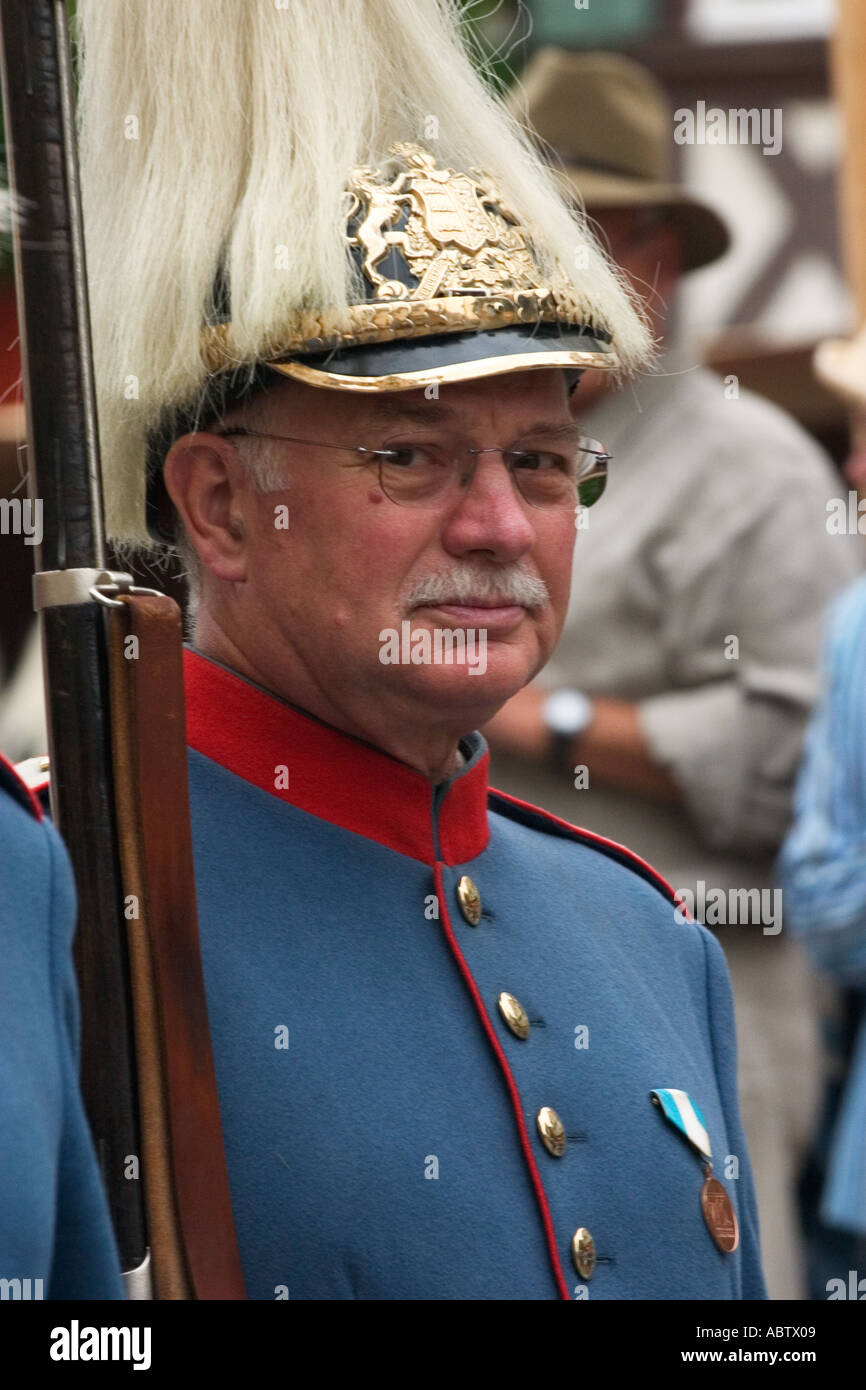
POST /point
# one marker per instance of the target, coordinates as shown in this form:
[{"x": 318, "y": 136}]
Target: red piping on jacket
[
  {"x": 541, "y": 1198},
  {"x": 598, "y": 839}
]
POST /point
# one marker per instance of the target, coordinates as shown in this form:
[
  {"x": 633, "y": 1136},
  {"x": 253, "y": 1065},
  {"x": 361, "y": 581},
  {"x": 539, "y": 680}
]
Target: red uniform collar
[{"x": 254, "y": 734}]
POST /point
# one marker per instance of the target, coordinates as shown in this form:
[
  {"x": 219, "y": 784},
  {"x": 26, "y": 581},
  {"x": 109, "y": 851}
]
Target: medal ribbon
[
  {"x": 718, "y": 1212},
  {"x": 681, "y": 1111}
]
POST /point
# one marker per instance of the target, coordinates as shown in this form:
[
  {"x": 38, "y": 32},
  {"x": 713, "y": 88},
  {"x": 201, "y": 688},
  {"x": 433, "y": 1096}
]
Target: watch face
[{"x": 566, "y": 712}]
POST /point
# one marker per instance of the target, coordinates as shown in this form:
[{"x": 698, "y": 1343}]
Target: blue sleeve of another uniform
[
  {"x": 55, "y": 1235},
  {"x": 720, "y": 1006},
  {"x": 85, "y": 1261}
]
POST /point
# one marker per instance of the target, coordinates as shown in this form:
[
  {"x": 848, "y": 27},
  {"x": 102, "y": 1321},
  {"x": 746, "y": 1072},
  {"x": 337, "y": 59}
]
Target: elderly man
[
  {"x": 477, "y": 1002},
  {"x": 463, "y": 1050}
]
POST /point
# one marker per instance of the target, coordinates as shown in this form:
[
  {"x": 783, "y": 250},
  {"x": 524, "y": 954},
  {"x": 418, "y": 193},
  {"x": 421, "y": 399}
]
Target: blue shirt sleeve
[{"x": 822, "y": 866}]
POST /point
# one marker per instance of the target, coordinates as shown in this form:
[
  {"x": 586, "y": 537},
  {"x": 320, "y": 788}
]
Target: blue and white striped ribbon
[{"x": 682, "y": 1112}]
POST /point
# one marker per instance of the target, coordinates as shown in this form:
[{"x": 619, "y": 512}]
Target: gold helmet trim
[
  {"x": 396, "y": 320},
  {"x": 437, "y": 251},
  {"x": 455, "y": 371}
]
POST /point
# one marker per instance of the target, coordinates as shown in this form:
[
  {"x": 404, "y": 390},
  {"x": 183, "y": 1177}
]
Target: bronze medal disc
[{"x": 720, "y": 1216}]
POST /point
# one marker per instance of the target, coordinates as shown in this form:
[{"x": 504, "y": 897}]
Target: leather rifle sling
[{"x": 194, "y": 1250}]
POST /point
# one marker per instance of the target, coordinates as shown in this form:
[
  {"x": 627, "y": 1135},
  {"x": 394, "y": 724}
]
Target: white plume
[{"x": 224, "y": 130}]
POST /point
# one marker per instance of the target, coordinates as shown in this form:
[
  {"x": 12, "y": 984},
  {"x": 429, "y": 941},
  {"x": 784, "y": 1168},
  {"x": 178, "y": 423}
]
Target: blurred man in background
[{"x": 672, "y": 716}]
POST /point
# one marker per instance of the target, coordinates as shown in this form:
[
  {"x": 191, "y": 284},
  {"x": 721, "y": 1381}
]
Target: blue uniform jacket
[
  {"x": 55, "y": 1235},
  {"x": 380, "y": 1116}
]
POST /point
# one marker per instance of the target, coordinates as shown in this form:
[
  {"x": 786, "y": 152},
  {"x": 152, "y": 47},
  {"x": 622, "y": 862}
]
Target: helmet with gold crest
[{"x": 329, "y": 192}]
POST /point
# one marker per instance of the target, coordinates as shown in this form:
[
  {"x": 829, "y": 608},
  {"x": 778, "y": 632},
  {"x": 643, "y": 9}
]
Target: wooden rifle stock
[{"x": 189, "y": 1207}]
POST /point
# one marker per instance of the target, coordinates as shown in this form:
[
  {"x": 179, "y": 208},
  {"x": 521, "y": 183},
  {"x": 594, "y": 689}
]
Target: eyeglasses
[{"x": 414, "y": 475}]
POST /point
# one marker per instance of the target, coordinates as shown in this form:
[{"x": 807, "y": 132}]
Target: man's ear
[{"x": 206, "y": 482}]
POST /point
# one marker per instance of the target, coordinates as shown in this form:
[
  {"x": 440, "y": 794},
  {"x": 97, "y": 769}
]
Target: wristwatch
[{"x": 566, "y": 714}]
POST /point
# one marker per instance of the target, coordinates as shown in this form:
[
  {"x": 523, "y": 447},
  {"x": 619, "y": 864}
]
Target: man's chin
[{"x": 474, "y": 688}]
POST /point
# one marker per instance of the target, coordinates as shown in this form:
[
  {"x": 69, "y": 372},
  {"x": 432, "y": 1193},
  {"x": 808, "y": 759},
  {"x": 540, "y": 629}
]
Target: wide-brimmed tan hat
[
  {"x": 609, "y": 124},
  {"x": 840, "y": 365}
]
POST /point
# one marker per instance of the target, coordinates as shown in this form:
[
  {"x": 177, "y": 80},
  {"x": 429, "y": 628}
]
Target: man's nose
[{"x": 490, "y": 514}]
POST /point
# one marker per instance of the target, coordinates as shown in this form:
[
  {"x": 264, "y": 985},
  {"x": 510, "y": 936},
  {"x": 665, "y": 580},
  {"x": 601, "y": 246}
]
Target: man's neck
[{"x": 435, "y": 752}]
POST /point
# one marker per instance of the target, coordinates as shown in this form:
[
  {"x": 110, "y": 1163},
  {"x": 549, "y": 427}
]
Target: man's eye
[
  {"x": 538, "y": 461},
  {"x": 407, "y": 456}
]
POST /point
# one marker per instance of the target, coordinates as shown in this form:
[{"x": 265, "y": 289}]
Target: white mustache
[{"x": 466, "y": 584}]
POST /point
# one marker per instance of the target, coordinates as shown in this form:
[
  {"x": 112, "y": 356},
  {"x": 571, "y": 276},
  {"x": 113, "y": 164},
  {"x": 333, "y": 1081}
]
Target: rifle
[{"x": 114, "y": 693}]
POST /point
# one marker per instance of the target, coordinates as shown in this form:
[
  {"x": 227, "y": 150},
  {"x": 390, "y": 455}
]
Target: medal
[
  {"x": 717, "y": 1207},
  {"x": 719, "y": 1214}
]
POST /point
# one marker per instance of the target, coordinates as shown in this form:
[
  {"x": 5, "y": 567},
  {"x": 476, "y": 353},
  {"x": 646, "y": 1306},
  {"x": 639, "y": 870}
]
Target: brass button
[
  {"x": 514, "y": 1015},
  {"x": 583, "y": 1252},
  {"x": 470, "y": 900},
  {"x": 552, "y": 1131}
]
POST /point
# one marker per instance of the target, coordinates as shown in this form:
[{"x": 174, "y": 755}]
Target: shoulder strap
[{"x": 539, "y": 819}]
